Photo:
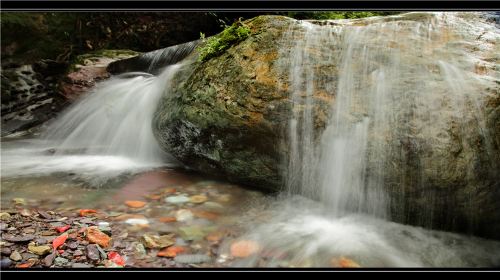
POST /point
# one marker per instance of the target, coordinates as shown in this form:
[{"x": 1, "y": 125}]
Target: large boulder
[
  {"x": 436, "y": 152},
  {"x": 226, "y": 116}
]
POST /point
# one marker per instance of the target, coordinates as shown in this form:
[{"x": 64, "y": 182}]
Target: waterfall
[
  {"x": 105, "y": 133},
  {"x": 369, "y": 97},
  {"x": 153, "y": 62},
  {"x": 395, "y": 86}
]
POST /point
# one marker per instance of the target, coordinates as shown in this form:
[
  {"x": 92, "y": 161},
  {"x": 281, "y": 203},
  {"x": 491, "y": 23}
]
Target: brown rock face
[{"x": 89, "y": 69}]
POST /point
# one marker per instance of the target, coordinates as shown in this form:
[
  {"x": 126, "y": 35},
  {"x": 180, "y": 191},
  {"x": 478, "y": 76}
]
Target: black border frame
[{"x": 255, "y": 6}]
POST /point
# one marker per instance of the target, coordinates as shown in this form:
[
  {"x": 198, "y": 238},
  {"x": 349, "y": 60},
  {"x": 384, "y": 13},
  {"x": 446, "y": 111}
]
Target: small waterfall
[
  {"x": 396, "y": 86},
  {"x": 105, "y": 133},
  {"x": 153, "y": 62}
]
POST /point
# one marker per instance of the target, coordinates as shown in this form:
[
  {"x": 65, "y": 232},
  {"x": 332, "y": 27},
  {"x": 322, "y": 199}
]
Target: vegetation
[
  {"x": 216, "y": 45},
  {"x": 335, "y": 15}
]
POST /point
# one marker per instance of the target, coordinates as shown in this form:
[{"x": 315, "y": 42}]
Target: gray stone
[{"x": 192, "y": 258}]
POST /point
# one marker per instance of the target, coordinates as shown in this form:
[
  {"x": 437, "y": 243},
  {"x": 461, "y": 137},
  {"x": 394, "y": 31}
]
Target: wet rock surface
[{"x": 437, "y": 155}]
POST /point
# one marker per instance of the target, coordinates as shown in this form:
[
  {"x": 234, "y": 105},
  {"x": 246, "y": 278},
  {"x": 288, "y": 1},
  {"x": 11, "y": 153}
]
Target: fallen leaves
[
  {"x": 94, "y": 235},
  {"x": 63, "y": 228},
  {"x": 135, "y": 203},
  {"x": 205, "y": 214},
  {"x": 344, "y": 263},
  {"x": 116, "y": 258},
  {"x": 58, "y": 241},
  {"x": 167, "y": 219},
  {"x": 86, "y": 212},
  {"x": 171, "y": 252},
  {"x": 244, "y": 248}
]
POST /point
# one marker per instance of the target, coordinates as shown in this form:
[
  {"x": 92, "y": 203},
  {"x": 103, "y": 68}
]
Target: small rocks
[
  {"x": 135, "y": 203},
  {"x": 193, "y": 233},
  {"x": 61, "y": 261},
  {"x": 77, "y": 253},
  {"x": 4, "y": 216},
  {"x": 93, "y": 253},
  {"x": 106, "y": 230},
  {"x": 44, "y": 215},
  {"x": 15, "y": 256},
  {"x": 41, "y": 241},
  {"x": 19, "y": 201},
  {"x": 183, "y": 215},
  {"x": 205, "y": 214},
  {"x": 94, "y": 235},
  {"x": 155, "y": 241},
  {"x": 25, "y": 213},
  {"x": 103, "y": 224},
  {"x": 80, "y": 265},
  {"x": 179, "y": 199},
  {"x": 49, "y": 259},
  {"x": 5, "y": 251},
  {"x": 73, "y": 245},
  {"x": 214, "y": 206},
  {"x": 198, "y": 199},
  {"x": 39, "y": 250},
  {"x": 5, "y": 263},
  {"x": 3, "y": 226},
  {"x": 137, "y": 222},
  {"x": 139, "y": 251},
  {"x": 18, "y": 238},
  {"x": 125, "y": 217},
  {"x": 192, "y": 258}
]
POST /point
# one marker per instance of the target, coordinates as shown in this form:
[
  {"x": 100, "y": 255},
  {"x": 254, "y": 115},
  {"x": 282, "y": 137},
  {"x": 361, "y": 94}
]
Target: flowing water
[
  {"x": 106, "y": 133},
  {"x": 335, "y": 205},
  {"x": 390, "y": 80}
]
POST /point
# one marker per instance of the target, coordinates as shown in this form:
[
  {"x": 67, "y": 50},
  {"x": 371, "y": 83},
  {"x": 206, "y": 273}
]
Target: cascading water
[
  {"x": 394, "y": 85},
  {"x": 106, "y": 133}
]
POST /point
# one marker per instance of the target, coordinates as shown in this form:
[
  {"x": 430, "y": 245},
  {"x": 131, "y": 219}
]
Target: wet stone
[
  {"x": 179, "y": 199},
  {"x": 49, "y": 259},
  {"x": 29, "y": 256},
  {"x": 192, "y": 258},
  {"x": 45, "y": 215},
  {"x": 15, "y": 256},
  {"x": 60, "y": 261},
  {"x": 139, "y": 251},
  {"x": 5, "y": 251},
  {"x": 72, "y": 245},
  {"x": 77, "y": 253},
  {"x": 81, "y": 265},
  {"x": 4, "y": 216},
  {"x": 39, "y": 250},
  {"x": 41, "y": 241},
  {"x": 101, "y": 252},
  {"x": 18, "y": 238},
  {"x": 93, "y": 252},
  {"x": 5, "y": 263}
]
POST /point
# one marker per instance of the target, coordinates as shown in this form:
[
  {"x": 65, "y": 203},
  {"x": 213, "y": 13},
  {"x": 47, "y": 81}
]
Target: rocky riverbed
[{"x": 161, "y": 218}]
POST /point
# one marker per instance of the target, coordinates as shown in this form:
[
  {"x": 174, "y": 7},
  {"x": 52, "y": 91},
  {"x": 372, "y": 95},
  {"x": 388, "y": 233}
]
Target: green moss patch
[{"x": 216, "y": 45}]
